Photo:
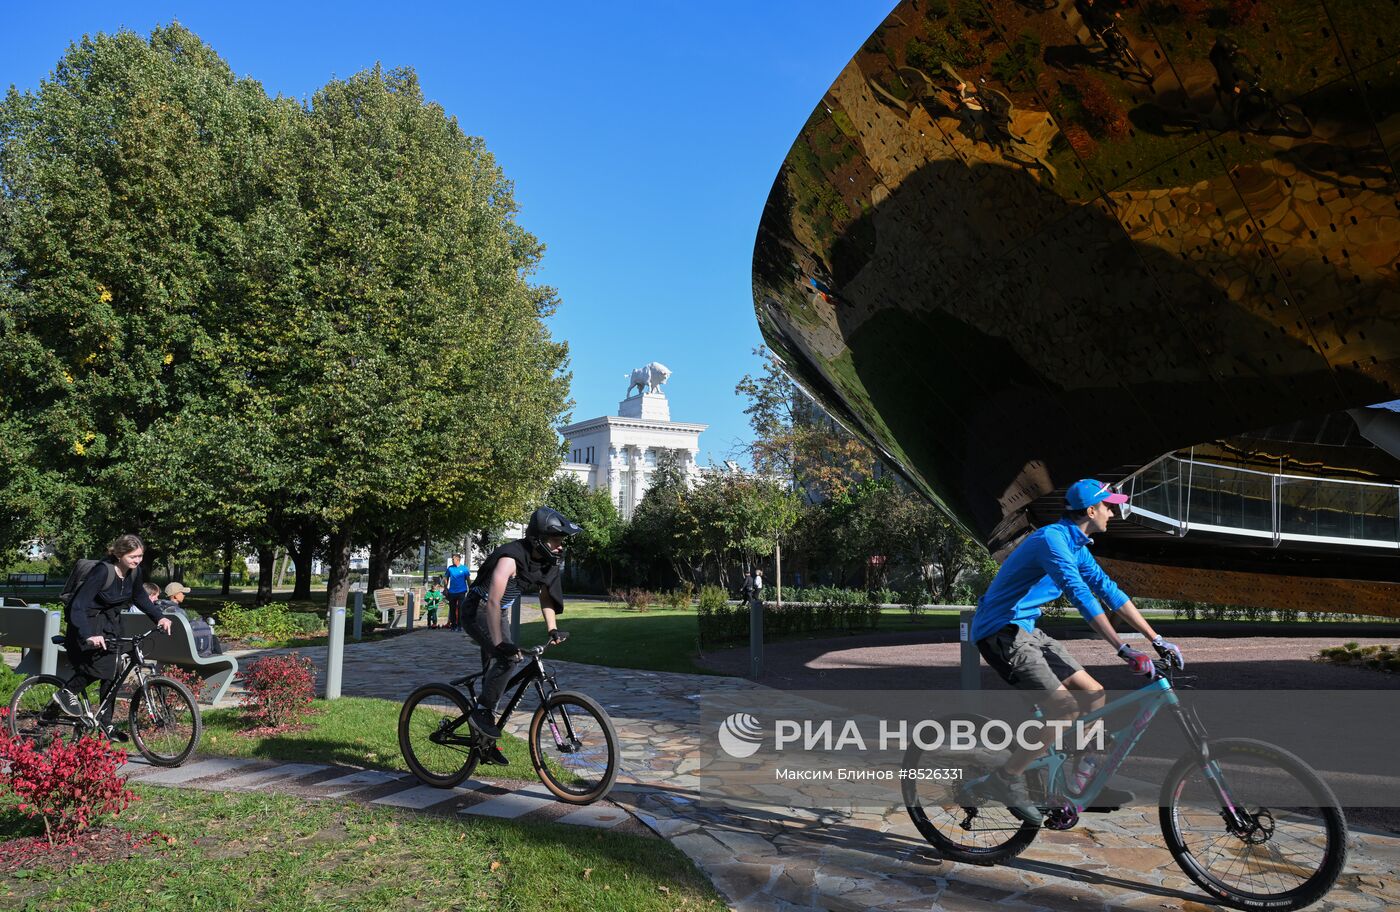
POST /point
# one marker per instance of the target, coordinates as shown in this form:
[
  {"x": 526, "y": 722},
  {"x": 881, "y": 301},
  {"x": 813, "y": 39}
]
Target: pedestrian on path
[{"x": 458, "y": 577}]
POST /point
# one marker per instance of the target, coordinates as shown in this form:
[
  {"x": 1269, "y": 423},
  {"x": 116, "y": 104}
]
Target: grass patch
[
  {"x": 254, "y": 851},
  {"x": 663, "y": 639},
  {"x": 351, "y": 731},
  {"x": 660, "y": 639}
]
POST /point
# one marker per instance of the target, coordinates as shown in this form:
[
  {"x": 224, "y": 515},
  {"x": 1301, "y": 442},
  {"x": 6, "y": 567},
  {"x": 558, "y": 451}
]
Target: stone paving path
[
  {"x": 317, "y": 781},
  {"x": 786, "y": 858}
]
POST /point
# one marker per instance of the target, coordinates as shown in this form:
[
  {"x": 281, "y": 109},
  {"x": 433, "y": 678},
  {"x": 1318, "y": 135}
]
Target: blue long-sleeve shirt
[{"x": 1052, "y": 561}]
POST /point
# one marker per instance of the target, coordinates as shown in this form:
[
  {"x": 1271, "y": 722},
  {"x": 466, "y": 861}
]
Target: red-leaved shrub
[
  {"x": 193, "y": 682},
  {"x": 1080, "y": 141},
  {"x": 280, "y": 689},
  {"x": 1102, "y": 112},
  {"x": 70, "y": 785}
]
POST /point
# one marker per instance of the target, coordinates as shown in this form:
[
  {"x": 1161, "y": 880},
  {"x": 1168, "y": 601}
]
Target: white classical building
[{"x": 619, "y": 452}]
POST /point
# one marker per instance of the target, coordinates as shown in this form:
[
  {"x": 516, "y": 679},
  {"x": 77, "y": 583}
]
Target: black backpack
[{"x": 81, "y": 571}]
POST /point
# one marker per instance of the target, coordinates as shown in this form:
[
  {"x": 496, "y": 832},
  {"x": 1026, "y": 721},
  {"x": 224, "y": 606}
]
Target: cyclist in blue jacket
[{"x": 1050, "y": 562}]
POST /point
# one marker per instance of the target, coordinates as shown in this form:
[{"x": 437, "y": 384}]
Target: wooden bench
[
  {"x": 392, "y": 606},
  {"x": 386, "y": 602},
  {"x": 24, "y": 627}
]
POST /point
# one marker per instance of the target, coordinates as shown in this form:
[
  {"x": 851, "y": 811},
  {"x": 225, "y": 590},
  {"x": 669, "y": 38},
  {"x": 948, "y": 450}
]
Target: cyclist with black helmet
[
  {"x": 1236, "y": 77},
  {"x": 532, "y": 562}
]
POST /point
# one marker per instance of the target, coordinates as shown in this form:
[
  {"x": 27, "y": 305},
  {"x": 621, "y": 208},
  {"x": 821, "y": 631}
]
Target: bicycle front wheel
[
  {"x": 573, "y": 747},
  {"x": 165, "y": 721},
  {"x": 1290, "y": 844},
  {"x": 433, "y": 736},
  {"x": 35, "y": 714}
]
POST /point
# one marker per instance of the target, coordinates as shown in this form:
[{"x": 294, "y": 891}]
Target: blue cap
[{"x": 1086, "y": 492}]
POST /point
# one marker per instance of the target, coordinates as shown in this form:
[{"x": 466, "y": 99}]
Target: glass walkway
[{"x": 1180, "y": 495}]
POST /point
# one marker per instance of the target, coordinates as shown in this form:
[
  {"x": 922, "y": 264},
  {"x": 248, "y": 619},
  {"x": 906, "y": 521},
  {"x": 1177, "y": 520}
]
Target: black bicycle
[
  {"x": 1255, "y": 109},
  {"x": 164, "y": 718},
  {"x": 573, "y": 745}
]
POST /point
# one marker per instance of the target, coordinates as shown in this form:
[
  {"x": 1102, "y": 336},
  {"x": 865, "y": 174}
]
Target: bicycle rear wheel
[
  {"x": 165, "y": 721},
  {"x": 573, "y": 747},
  {"x": 1293, "y": 846},
  {"x": 959, "y": 828},
  {"x": 434, "y": 735},
  {"x": 35, "y": 716}
]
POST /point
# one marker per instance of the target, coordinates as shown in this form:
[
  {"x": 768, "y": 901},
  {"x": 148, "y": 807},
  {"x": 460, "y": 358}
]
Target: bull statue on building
[{"x": 648, "y": 378}]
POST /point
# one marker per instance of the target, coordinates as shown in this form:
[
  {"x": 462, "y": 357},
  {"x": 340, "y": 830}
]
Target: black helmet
[{"x": 547, "y": 521}]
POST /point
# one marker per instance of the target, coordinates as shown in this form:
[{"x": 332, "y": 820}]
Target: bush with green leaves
[
  {"x": 678, "y": 599},
  {"x": 272, "y": 621},
  {"x": 307, "y": 622}
]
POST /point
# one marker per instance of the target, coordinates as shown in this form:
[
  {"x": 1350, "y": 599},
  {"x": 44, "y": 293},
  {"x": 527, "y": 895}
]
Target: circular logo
[{"x": 741, "y": 735}]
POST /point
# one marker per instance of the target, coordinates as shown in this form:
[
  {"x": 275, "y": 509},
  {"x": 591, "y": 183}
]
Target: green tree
[
  {"x": 433, "y": 356},
  {"x": 602, "y": 525},
  {"x": 229, "y": 318},
  {"x": 794, "y": 437},
  {"x": 119, "y": 224}
]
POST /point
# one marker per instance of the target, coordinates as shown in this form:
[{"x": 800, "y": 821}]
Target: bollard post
[
  {"x": 408, "y": 611},
  {"x": 48, "y": 659},
  {"x": 969, "y": 677},
  {"x": 515, "y": 620},
  {"x": 359, "y": 613},
  {"x": 755, "y": 637},
  {"x": 336, "y": 645}
]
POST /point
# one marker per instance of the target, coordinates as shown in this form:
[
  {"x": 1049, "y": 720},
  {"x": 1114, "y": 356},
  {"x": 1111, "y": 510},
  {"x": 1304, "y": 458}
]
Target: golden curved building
[{"x": 1020, "y": 243}]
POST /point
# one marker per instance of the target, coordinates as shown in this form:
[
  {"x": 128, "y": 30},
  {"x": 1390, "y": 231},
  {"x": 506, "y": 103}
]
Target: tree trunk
[
  {"x": 338, "y": 569},
  {"x": 301, "y": 548},
  {"x": 267, "y": 557},
  {"x": 380, "y": 560},
  {"x": 228, "y": 567}
]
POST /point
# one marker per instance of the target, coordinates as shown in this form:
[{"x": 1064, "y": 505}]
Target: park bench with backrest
[
  {"x": 24, "y": 627},
  {"x": 391, "y": 610},
  {"x": 393, "y": 606},
  {"x": 28, "y": 579}
]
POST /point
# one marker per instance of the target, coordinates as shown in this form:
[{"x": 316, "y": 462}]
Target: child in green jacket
[{"x": 432, "y": 599}]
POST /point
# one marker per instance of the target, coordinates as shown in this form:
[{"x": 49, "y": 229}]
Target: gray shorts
[{"x": 1029, "y": 661}]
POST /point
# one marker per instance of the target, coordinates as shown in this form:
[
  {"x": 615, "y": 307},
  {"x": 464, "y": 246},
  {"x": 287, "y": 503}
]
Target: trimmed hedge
[{"x": 840, "y": 610}]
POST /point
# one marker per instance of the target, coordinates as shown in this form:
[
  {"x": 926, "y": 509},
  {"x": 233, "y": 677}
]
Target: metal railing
[{"x": 1178, "y": 495}]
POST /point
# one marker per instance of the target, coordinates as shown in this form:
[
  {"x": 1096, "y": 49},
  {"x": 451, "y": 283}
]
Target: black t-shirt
[{"x": 531, "y": 574}]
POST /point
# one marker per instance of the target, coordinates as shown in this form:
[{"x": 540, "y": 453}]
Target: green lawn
[
  {"x": 355, "y": 731},
  {"x": 254, "y": 851},
  {"x": 600, "y": 633}
]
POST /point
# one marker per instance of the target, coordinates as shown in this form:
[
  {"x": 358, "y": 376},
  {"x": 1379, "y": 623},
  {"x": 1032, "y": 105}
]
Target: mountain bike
[
  {"x": 1255, "y": 109},
  {"x": 1218, "y": 808},
  {"x": 573, "y": 745},
  {"x": 163, "y": 718}
]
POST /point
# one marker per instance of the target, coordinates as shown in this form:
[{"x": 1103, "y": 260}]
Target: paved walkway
[
  {"x": 766, "y": 858},
  {"x": 387, "y": 788}
]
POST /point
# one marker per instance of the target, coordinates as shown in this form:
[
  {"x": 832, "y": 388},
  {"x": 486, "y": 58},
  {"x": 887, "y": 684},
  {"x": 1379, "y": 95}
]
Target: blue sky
[{"x": 642, "y": 139}]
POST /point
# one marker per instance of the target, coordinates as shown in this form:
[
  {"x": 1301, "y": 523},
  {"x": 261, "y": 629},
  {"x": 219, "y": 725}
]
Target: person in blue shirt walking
[
  {"x": 458, "y": 575},
  {"x": 1050, "y": 562}
]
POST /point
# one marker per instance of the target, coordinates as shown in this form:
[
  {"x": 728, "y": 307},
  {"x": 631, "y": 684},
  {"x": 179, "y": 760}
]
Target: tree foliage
[
  {"x": 794, "y": 437},
  {"x": 231, "y": 316}
]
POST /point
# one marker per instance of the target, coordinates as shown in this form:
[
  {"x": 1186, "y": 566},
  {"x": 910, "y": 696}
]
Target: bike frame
[
  {"x": 1157, "y": 695},
  {"x": 136, "y": 664},
  {"x": 534, "y": 673}
]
